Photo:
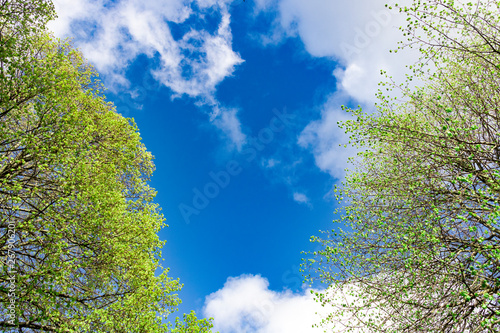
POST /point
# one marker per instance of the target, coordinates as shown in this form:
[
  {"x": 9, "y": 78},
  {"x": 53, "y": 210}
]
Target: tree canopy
[
  {"x": 78, "y": 226},
  {"x": 422, "y": 249}
]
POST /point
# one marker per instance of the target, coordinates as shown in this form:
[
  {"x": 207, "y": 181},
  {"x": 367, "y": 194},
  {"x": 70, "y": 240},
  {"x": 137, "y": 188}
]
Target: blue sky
[{"x": 238, "y": 101}]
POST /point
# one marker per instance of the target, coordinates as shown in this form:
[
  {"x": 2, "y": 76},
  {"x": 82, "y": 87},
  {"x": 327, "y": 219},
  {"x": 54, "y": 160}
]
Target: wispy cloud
[
  {"x": 227, "y": 121},
  {"x": 326, "y": 140},
  {"x": 357, "y": 37},
  {"x": 270, "y": 163},
  {"x": 113, "y": 34},
  {"x": 300, "y": 198}
]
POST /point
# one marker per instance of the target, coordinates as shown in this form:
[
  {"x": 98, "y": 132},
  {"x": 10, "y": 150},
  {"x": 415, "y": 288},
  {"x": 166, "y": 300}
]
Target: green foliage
[
  {"x": 422, "y": 201},
  {"x": 192, "y": 324},
  {"x": 78, "y": 228}
]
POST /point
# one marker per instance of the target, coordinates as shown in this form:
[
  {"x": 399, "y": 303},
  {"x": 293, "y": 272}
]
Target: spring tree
[
  {"x": 78, "y": 226},
  {"x": 421, "y": 251}
]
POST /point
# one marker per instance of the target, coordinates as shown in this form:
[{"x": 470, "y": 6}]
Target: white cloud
[
  {"x": 218, "y": 61},
  {"x": 357, "y": 35},
  {"x": 70, "y": 11},
  {"x": 112, "y": 34},
  {"x": 300, "y": 197},
  {"x": 246, "y": 305},
  {"x": 128, "y": 28}
]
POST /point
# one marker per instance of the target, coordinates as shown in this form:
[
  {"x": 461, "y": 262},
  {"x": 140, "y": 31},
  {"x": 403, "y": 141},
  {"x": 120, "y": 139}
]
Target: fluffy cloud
[
  {"x": 246, "y": 305},
  {"x": 112, "y": 34}
]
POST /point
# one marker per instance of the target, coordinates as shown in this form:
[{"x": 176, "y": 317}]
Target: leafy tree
[
  {"x": 78, "y": 228},
  {"x": 422, "y": 203}
]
